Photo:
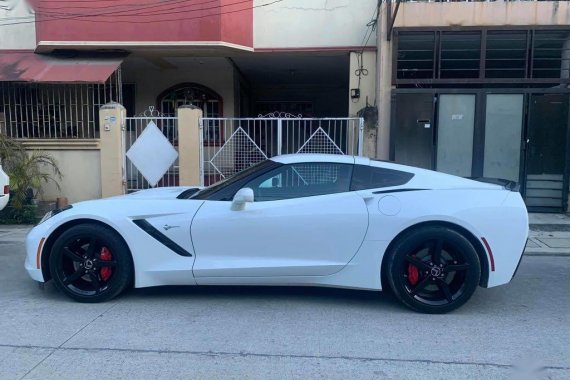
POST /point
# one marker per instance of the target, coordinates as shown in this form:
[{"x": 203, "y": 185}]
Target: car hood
[{"x": 158, "y": 193}]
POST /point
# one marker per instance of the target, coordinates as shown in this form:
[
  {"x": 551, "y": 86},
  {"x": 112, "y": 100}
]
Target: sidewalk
[
  {"x": 549, "y": 235},
  {"x": 10, "y": 234}
]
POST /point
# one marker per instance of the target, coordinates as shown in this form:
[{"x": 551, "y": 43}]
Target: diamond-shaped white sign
[{"x": 152, "y": 154}]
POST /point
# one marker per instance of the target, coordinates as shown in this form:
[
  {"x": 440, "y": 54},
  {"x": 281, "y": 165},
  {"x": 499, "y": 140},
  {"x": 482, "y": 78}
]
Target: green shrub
[
  {"x": 28, "y": 171},
  {"x": 26, "y": 214}
]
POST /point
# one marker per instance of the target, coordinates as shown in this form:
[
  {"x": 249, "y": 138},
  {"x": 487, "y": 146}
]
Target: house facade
[
  {"x": 472, "y": 88},
  {"x": 61, "y": 60},
  {"x": 479, "y": 89}
]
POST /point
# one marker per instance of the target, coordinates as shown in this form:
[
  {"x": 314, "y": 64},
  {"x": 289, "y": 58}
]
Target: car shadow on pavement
[{"x": 299, "y": 294}]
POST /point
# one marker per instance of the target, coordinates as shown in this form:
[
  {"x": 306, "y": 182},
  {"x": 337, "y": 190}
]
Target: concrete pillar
[
  {"x": 189, "y": 149},
  {"x": 384, "y": 86},
  {"x": 112, "y": 125},
  {"x": 366, "y": 62}
]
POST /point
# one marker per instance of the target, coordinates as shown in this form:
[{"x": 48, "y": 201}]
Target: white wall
[
  {"x": 314, "y": 23},
  {"x": 151, "y": 79},
  {"x": 497, "y": 13},
  {"x": 22, "y": 33}
]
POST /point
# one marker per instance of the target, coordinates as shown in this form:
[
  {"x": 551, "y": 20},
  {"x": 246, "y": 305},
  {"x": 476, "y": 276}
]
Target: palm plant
[
  {"x": 28, "y": 171},
  {"x": 8, "y": 148}
]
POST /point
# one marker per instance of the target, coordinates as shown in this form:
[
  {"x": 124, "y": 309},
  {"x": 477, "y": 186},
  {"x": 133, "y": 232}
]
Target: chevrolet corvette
[{"x": 293, "y": 220}]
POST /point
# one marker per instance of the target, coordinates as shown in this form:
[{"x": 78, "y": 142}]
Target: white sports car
[{"x": 316, "y": 220}]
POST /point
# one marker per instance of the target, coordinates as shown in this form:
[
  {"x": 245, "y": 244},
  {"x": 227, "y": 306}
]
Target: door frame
[
  {"x": 566, "y": 173},
  {"x": 479, "y": 127}
]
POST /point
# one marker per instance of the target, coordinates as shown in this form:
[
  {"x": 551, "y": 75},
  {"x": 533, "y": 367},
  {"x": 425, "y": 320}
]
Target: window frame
[
  {"x": 208, "y": 98},
  {"x": 273, "y": 172},
  {"x": 372, "y": 167},
  {"x": 226, "y": 190},
  {"x": 482, "y": 78}
]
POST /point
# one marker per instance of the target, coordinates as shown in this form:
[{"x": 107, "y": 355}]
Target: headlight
[{"x": 52, "y": 213}]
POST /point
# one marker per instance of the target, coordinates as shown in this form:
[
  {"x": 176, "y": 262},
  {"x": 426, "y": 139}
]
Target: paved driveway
[{"x": 265, "y": 333}]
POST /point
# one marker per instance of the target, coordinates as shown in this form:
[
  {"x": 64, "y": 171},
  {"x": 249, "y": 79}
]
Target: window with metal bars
[
  {"x": 200, "y": 96},
  {"x": 54, "y": 111},
  {"x": 506, "y": 54},
  {"x": 482, "y": 56},
  {"x": 459, "y": 54},
  {"x": 551, "y": 54},
  {"x": 416, "y": 55}
]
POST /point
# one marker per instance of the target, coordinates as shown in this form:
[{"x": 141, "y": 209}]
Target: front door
[
  {"x": 413, "y": 130},
  {"x": 455, "y": 126},
  {"x": 503, "y": 133},
  {"x": 546, "y": 152},
  {"x": 304, "y": 222}
]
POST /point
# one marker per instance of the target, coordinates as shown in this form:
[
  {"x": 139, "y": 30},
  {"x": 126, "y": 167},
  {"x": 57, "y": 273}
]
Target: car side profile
[{"x": 293, "y": 220}]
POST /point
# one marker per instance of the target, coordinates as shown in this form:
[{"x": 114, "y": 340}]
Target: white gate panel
[
  {"x": 134, "y": 128},
  {"x": 233, "y": 144}
]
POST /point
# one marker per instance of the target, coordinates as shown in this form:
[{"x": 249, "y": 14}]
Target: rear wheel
[
  {"x": 433, "y": 269},
  {"x": 90, "y": 263}
]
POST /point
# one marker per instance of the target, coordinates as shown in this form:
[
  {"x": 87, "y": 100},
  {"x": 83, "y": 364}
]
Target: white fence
[
  {"x": 230, "y": 145},
  {"x": 134, "y": 128}
]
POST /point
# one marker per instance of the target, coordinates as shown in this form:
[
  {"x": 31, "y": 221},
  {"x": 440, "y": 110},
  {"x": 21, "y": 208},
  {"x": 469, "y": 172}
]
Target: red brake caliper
[
  {"x": 106, "y": 272},
  {"x": 413, "y": 274}
]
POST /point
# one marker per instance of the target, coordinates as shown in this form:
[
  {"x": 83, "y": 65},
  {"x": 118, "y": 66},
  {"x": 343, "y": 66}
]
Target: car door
[{"x": 304, "y": 221}]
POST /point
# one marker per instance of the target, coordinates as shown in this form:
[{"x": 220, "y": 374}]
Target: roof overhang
[
  {"x": 220, "y": 48},
  {"x": 27, "y": 66}
]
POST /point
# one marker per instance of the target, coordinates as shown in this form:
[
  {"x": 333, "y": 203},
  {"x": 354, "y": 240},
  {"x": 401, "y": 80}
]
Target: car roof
[
  {"x": 342, "y": 159},
  {"x": 313, "y": 157}
]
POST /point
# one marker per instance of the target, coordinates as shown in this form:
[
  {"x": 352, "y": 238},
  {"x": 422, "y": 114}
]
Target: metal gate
[
  {"x": 230, "y": 145},
  {"x": 157, "y": 149}
]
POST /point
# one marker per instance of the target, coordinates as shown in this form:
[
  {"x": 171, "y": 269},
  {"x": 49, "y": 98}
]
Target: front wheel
[
  {"x": 90, "y": 263},
  {"x": 433, "y": 269}
]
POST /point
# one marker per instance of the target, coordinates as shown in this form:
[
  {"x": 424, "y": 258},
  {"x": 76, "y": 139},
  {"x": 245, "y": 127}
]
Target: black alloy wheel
[
  {"x": 90, "y": 263},
  {"x": 433, "y": 269}
]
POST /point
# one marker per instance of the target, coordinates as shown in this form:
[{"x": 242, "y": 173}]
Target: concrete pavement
[
  {"x": 273, "y": 333},
  {"x": 549, "y": 235}
]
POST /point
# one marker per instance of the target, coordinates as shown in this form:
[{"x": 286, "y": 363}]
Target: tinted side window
[
  {"x": 367, "y": 177},
  {"x": 226, "y": 189},
  {"x": 301, "y": 180}
]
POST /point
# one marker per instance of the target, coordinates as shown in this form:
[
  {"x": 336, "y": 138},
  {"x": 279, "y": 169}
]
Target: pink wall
[{"x": 145, "y": 20}]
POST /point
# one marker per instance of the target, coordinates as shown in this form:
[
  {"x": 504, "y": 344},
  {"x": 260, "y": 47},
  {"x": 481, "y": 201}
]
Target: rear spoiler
[{"x": 508, "y": 185}]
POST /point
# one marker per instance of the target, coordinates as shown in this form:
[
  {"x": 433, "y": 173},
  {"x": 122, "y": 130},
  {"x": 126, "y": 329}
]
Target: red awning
[{"x": 18, "y": 66}]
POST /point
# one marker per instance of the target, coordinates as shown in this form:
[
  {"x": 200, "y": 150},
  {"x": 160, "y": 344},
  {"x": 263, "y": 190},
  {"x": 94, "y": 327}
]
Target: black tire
[
  {"x": 90, "y": 263},
  {"x": 433, "y": 269}
]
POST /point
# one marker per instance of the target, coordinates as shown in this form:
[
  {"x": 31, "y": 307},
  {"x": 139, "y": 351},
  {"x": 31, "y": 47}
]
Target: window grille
[
  {"x": 199, "y": 96},
  {"x": 55, "y": 110},
  {"x": 482, "y": 56},
  {"x": 506, "y": 54},
  {"x": 551, "y": 54}
]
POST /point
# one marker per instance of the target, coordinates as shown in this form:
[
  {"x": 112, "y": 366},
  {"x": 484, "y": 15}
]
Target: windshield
[{"x": 205, "y": 193}]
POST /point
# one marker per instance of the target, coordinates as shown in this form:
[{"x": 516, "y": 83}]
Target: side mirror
[{"x": 242, "y": 197}]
